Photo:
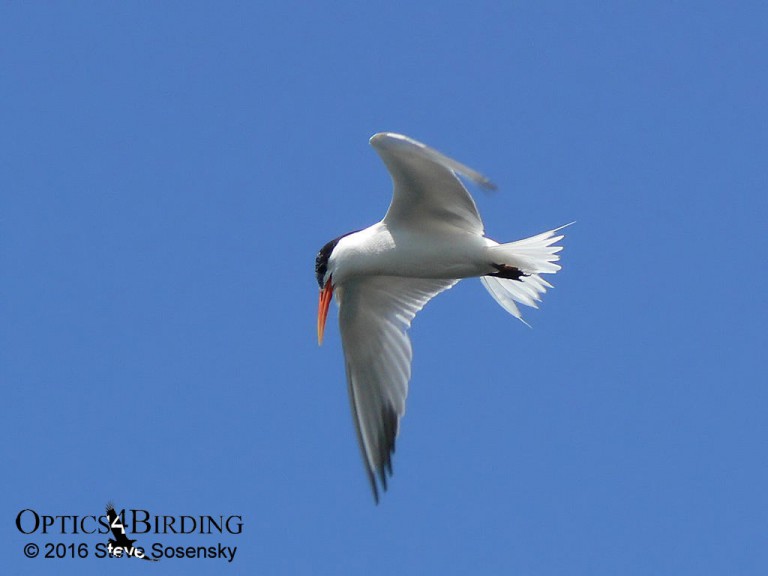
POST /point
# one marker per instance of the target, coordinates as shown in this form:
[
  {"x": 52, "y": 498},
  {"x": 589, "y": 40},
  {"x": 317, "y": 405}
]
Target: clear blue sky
[{"x": 168, "y": 172}]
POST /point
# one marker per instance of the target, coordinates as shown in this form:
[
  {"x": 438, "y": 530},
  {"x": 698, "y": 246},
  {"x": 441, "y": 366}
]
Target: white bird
[{"x": 430, "y": 238}]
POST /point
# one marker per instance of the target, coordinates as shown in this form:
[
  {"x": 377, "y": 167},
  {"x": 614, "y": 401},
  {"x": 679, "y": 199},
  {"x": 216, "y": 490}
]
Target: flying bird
[{"x": 430, "y": 238}]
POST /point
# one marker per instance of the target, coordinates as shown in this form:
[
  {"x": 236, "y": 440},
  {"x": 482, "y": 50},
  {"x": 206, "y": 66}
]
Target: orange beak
[{"x": 322, "y": 309}]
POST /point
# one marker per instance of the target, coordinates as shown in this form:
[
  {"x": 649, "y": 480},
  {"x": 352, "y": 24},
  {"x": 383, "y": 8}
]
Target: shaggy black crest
[{"x": 321, "y": 261}]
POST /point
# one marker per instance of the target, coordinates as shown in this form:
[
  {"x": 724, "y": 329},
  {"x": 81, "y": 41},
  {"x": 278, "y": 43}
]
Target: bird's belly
[
  {"x": 422, "y": 262},
  {"x": 412, "y": 255}
]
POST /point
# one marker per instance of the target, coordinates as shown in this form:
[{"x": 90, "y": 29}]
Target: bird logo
[{"x": 121, "y": 544}]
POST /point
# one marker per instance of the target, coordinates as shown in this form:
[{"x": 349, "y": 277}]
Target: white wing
[
  {"x": 427, "y": 193},
  {"x": 374, "y": 314}
]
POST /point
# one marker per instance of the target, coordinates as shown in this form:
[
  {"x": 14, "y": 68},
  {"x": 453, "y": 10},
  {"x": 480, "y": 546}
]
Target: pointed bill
[{"x": 322, "y": 310}]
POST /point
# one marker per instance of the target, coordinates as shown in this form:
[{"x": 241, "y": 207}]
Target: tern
[{"x": 430, "y": 238}]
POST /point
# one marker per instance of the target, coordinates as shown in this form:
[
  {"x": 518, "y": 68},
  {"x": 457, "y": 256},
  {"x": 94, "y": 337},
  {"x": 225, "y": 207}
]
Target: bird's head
[
  {"x": 325, "y": 281},
  {"x": 324, "y": 273}
]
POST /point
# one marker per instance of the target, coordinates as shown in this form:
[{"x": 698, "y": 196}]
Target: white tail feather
[{"x": 534, "y": 256}]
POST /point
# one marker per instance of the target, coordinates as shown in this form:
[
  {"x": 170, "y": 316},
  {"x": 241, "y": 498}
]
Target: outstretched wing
[
  {"x": 374, "y": 316},
  {"x": 427, "y": 192}
]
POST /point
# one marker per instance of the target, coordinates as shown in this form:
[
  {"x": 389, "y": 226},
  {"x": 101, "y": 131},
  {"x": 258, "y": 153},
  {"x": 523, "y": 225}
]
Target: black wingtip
[
  {"x": 389, "y": 423},
  {"x": 488, "y": 186},
  {"x": 378, "y": 462},
  {"x": 374, "y": 487}
]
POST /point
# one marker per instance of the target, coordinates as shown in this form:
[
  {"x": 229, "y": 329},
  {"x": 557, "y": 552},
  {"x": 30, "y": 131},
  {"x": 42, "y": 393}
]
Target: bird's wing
[
  {"x": 374, "y": 314},
  {"x": 427, "y": 192}
]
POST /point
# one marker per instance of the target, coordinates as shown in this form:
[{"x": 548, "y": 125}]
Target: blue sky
[{"x": 168, "y": 173}]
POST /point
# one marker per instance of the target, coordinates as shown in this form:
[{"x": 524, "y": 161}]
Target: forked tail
[{"x": 530, "y": 258}]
